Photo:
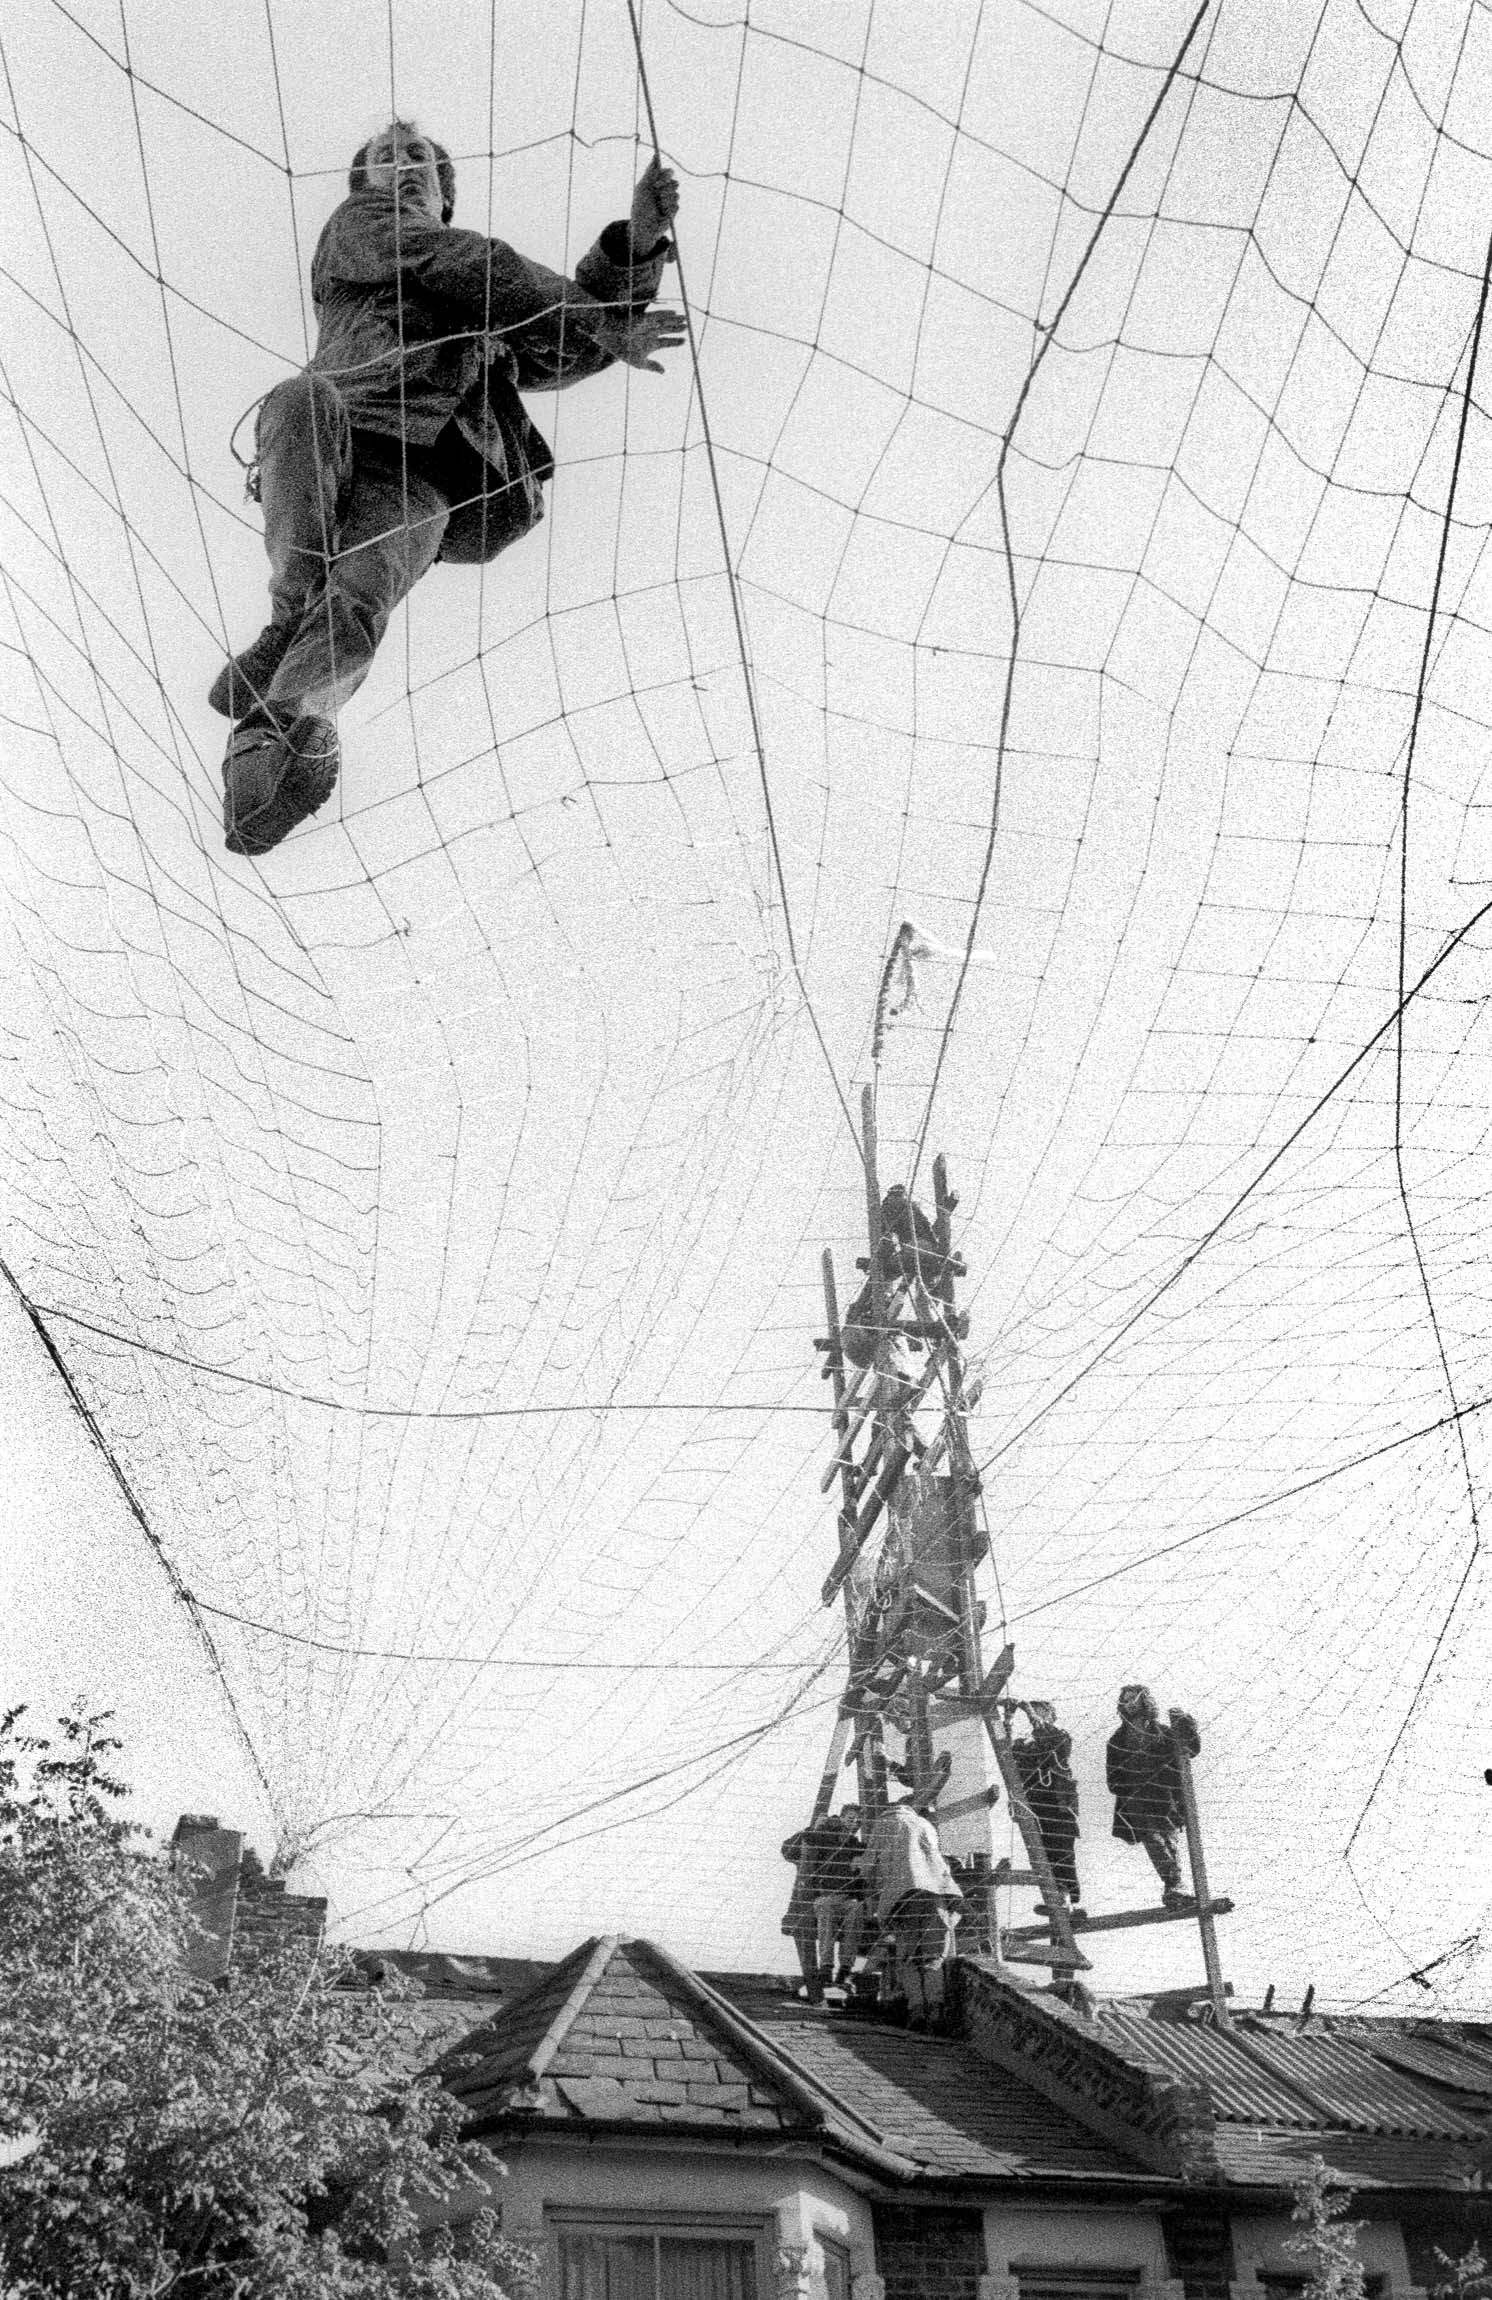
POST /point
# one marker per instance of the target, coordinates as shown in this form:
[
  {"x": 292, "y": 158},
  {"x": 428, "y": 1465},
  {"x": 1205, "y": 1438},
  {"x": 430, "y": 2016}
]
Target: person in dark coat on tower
[
  {"x": 1145, "y": 1778},
  {"x": 908, "y": 1249},
  {"x": 404, "y": 441},
  {"x": 1044, "y": 1763}
]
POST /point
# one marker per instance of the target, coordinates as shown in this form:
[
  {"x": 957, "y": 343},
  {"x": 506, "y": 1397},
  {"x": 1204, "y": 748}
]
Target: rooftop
[{"x": 620, "y": 2036}]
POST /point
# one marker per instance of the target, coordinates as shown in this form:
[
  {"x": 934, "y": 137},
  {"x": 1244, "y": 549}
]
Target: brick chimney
[{"x": 207, "y": 1859}]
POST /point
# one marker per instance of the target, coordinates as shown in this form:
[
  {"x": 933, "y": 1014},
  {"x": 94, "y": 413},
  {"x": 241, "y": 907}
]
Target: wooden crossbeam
[
  {"x": 979, "y": 1800},
  {"x": 927, "y": 1597},
  {"x": 871, "y": 1691},
  {"x": 986, "y": 1702},
  {"x": 1070, "y": 1961},
  {"x": 855, "y": 1535},
  {"x": 1123, "y": 1919},
  {"x": 908, "y": 1404}
]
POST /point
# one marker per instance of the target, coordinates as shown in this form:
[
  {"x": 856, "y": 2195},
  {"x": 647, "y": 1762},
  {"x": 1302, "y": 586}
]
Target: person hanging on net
[
  {"x": 1145, "y": 1777},
  {"x": 404, "y": 441}
]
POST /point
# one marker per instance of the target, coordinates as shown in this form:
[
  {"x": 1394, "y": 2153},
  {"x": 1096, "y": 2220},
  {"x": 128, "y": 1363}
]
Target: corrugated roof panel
[
  {"x": 1444, "y": 2063},
  {"x": 1257, "y": 2157},
  {"x": 1360, "y": 2091},
  {"x": 1239, "y": 2091}
]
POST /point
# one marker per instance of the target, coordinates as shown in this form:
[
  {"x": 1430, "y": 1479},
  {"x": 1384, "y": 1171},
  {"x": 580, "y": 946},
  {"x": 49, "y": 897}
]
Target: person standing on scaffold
[{"x": 1145, "y": 1778}]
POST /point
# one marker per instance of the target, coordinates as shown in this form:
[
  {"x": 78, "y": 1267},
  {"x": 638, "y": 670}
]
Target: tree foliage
[
  {"x": 265, "y": 2135},
  {"x": 1328, "y": 2248},
  {"x": 1465, "y": 2279}
]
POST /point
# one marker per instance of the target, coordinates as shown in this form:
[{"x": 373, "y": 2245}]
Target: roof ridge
[
  {"x": 559, "y": 2028},
  {"x": 502, "y": 2030},
  {"x": 1165, "y": 2121}
]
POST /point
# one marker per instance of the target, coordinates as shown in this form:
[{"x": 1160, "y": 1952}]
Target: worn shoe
[
  {"x": 239, "y": 686},
  {"x": 274, "y": 778},
  {"x": 1174, "y": 1898}
]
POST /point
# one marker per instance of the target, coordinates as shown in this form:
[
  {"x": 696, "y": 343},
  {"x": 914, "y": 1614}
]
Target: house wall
[
  {"x": 924, "y": 2254},
  {"x": 1259, "y": 2245},
  {"x": 796, "y": 2202},
  {"x": 1037, "y": 2235}
]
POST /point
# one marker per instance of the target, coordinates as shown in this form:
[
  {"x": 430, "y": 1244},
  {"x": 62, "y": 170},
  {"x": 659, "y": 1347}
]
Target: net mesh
[{"x": 1071, "y": 535}]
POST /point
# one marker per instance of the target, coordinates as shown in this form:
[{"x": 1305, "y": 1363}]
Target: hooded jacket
[{"x": 421, "y": 325}]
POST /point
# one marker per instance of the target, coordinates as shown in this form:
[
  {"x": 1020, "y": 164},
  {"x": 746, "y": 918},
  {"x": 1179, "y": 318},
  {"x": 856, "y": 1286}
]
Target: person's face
[
  {"x": 850, "y": 1815},
  {"x": 1134, "y": 1706},
  {"x": 402, "y": 161}
]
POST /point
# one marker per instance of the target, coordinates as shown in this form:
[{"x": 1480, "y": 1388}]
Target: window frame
[
  {"x": 1071, "y": 2279},
  {"x": 1290, "y": 2283},
  {"x": 835, "y": 2248},
  {"x": 632, "y": 2221}
]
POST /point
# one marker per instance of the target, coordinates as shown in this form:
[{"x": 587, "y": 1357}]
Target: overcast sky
[{"x": 430, "y": 1212}]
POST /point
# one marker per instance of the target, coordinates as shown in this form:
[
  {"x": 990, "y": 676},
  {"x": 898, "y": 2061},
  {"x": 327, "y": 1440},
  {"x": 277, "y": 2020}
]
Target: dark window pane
[
  {"x": 705, "y": 2269},
  {"x": 594, "y": 2267},
  {"x": 836, "y": 2272}
]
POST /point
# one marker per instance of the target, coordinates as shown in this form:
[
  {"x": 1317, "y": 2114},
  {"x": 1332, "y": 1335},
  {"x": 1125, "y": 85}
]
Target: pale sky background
[{"x": 431, "y": 1212}]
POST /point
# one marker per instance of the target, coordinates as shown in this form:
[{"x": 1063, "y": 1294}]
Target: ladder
[
  {"x": 909, "y": 1546},
  {"x": 908, "y": 1549}
]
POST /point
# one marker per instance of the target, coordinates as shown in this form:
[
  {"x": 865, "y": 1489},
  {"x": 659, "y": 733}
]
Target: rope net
[{"x": 1070, "y": 536}]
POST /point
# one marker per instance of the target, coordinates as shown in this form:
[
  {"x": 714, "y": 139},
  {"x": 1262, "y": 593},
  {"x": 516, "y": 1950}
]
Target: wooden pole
[
  {"x": 873, "y": 1213},
  {"x": 919, "y": 1740},
  {"x": 849, "y": 1478},
  {"x": 971, "y": 1660},
  {"x": 870, "y": 1767},
  {"x": 838, "y": 1742},
  {"x": 1205, "y": 1925}
]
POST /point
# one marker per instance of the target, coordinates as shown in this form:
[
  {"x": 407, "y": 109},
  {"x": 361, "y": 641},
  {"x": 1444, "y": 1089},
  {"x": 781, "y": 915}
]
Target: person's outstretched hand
[
  {"x": 655, "y": 203},
  {"x": 634, "y": 336}
]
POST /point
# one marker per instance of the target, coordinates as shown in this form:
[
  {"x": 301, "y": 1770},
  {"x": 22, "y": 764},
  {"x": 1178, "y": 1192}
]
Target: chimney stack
[{"x": 207, "y": 1858}]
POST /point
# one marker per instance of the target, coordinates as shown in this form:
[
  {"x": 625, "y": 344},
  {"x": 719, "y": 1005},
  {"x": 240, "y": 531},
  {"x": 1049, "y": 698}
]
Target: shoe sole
[{"x": 294, "y": 783}]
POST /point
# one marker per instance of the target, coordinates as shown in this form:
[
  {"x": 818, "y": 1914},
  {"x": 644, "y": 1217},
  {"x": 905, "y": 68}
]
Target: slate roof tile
[
  {"x": 595, "y": 2095},
  {"x": 933, "y": 2099},
  {"x": 657, "y": 2056}
]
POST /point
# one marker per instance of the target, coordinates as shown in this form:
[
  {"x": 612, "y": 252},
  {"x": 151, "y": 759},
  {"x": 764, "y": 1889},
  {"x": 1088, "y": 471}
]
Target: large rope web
[{"x": 1068, "y": 533}]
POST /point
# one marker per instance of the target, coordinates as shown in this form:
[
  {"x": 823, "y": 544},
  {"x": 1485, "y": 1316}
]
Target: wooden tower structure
[{"x": 910, "y": 1540}]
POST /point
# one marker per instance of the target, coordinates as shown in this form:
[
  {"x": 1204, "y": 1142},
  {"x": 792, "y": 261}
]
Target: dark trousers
[
  {"x": 1061, "y": 1850},
  {"x": 1160, "y": 1844},
  {"x": 351, "y": 523}
]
